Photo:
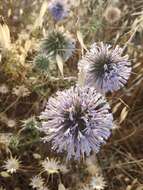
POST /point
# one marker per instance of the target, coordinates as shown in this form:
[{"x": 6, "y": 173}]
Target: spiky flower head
[
  {"x": 77, "y": 120},
  {"x": 98, "y": 182},
  {"x": 105, "y": 68},
  {"x": 30, "y": 123},
  {"x": 52, "y": 166},
  {"x": 37, "y": 182},
  {"x": 41, "y": 62},
  {"x": 12, "y": 165},
  {"x": 58, "y": 43},
  {"x": 58, "y": 9}
]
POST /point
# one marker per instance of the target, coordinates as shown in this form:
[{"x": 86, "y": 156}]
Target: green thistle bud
[
  {"x": 57, "y": 43},
  {"x": 42, "y": 62}
]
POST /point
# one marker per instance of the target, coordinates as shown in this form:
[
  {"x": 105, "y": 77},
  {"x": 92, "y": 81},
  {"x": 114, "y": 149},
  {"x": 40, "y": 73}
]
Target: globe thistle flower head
[
  {"x": 58, "y": 43},
  {"x": 105, "y": 68},
  {"x": 58, "y": 9},
  {"x": 112, "y": 14},
  {"x": 77, "y": 121}
]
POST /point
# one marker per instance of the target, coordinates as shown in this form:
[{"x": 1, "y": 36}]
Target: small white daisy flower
[
  {"x": 11, "y": 165},
  {"x": 51, "y": 166},
  {"x": 37, "y": 182},
  {"x": 98, "y": 182}
]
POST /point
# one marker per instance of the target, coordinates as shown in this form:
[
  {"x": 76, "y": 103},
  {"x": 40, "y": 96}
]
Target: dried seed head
[{"x": 112, "y": 14}]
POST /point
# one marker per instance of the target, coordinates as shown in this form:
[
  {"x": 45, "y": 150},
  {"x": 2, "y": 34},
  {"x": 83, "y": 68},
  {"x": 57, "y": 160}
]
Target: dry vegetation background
[{"x": 25, "y": 88}]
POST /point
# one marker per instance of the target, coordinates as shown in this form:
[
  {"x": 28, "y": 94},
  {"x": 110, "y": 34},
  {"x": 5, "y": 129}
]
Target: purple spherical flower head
[
  {"x": 105, "y": 68},
  {"x": 58, "y": 9},
  {"x": 77, "y": 121}
]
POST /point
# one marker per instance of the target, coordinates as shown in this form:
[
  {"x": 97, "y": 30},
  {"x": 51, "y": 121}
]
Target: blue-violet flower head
[
  {"x": 58, "y": 9},
  {"x": 105, "y": 68},
  {"x": 77, "y": 121}
]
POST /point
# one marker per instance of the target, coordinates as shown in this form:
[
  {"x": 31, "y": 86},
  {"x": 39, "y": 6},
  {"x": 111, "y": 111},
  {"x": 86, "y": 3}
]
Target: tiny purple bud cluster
[{"x": 58, "y": 9}]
